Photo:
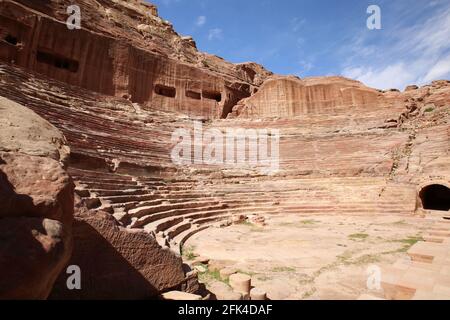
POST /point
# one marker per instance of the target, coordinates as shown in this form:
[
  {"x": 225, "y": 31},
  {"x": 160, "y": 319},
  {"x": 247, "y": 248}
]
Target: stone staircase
[
  {"x": 425, "y": 275},
  {"x": 121, "y": 163},
  {"x": 174, "y": 210},
  {"x": 149, "y": 203}
]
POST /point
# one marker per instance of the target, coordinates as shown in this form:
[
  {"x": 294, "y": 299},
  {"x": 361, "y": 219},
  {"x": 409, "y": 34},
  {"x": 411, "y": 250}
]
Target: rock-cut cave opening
[
  {"x": 165, "y": 91},
  {"x": 435, "y": 197},
  {"x": 193, "y": 95},
  {"x": 57, "y": 61},
  {"x": 11, "y": 40},
  {"x": 212, "y": 95}
]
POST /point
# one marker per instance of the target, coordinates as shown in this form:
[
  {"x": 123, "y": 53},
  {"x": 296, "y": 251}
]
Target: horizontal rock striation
[
  {"x": 114, "y": 55},
  {"x": 289, "y": 97},
  {"x": 329, "y": 164},
  {"x": 119, "y": 87},
  {"x": 21, "y": 131},
  {"x": 126, "y": 251}
]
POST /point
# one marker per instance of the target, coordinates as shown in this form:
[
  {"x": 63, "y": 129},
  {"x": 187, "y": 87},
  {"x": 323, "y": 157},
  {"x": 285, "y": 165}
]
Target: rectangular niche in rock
[
  {"x": 11, "y": 40},
  {"x": 193, "y": 95},
  {"x": 57, "y": 61},
  {"x": 212, "y": 95},
  {"x": 165, "y": 91}
]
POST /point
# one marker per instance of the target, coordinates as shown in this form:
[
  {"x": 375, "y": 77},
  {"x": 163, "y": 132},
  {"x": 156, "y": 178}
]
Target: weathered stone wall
[
  {"x": 119, "y": 90},
  {"x": 289, "y": 97},
  {"x": 39, "y": 231},
  {"x": 98, "y": 60}
]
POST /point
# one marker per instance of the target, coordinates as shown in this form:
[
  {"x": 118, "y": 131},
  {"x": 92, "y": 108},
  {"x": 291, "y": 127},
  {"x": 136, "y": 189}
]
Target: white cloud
[
  {"x": 215, "y": 34},
  {"x": 415, "y": 54},
  {"x": 200, "y": 22},
  {"x": 306, "y": 65},
  {"x": 391, "y": 76},
  {"x": 297, "y": 24},
  {"x": 439, "y": 70}
]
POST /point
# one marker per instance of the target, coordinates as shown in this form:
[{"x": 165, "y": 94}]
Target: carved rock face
[{"x": 132, "y": 60}]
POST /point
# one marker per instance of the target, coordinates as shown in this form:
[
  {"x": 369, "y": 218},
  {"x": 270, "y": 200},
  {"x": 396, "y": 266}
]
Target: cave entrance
[
  {"x": 212, "y": 95},
  {"x": 165, "y": 91},
  {"x": 435, "y": 197},
  {"x": 193, "y": 95},
  {"x": 57, "y": 61},
  {"x": 11, "y": 40}
]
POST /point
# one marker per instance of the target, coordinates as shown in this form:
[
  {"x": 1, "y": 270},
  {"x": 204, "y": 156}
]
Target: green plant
[
  {"x": 411, "y": 240},
  {"x": 246, "y": 223},
  {"x": 211, "y": 276},
  {"x": 264, "y": 278},
  {"x": 249, "y": 273},
  {"x": 430, "y": 109},
  {"x": 408, "y": 243},
  {"x": 188, "y": 253},
  {"x": 366, "y": 259},
  {"x": 308, "y": 222},
  {"x": 253, "y": 227},
  {"x": 309, "y": 293},
  {"x": 286, "y": 224},
  {"x": 344, "y": 257},
  {"x": 283, "y": 269},
  {"x": 358, "y": 236}
]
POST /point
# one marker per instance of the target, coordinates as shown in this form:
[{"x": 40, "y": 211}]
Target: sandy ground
[{"x": 316, "y": 257}]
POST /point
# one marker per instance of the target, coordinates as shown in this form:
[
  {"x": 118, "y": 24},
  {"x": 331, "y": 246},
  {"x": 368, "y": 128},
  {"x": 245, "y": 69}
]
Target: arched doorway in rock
[{"x": 435, "y": 197}]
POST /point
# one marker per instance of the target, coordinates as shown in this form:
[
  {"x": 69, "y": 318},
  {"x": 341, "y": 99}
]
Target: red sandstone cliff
[
  {"x": 293, "y": 97},
  {"x": 39, "y": 231},
  {"x": 36, "y": 204},
  {"x": 123, "y": 49},
  {"x": 119, "y": 87}
]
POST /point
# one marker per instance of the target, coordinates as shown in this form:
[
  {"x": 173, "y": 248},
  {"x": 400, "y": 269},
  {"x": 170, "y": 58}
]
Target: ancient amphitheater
[{"x": 87, "y": 178}]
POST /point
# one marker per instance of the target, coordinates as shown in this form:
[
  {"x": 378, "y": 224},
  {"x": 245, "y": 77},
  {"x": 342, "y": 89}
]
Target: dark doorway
[
  {"x": 193, "y": 95},
  {"x": 57, "y": 61},
  {"x": 11, "y": 40},
  {"x": 165, "y": 91},
  {"x": 435, "y": 197},
  {"x": 212, "y": 95}
]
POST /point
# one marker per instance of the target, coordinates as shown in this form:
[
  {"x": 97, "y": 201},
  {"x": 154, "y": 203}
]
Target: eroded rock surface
[
  {"x": 35, "y": 187},
  {"x": 33, "y": 251},
  {"x": 117, "y": 263},
  {"x": 36, "y": 204},
  {"x": 124, "y": 49},
  {"x": 23, "y": 131},
  {"x": 292, "y": 97}
]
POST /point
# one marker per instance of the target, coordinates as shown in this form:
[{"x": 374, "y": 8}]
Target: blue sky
[{"x": 323, "y": 37}]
